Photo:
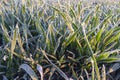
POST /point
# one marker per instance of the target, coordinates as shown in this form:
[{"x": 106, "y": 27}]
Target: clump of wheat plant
[{"x": 60, "y": 40}]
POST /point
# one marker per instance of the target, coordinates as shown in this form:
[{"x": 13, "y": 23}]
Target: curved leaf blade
[{"x": 29, "y": 71}]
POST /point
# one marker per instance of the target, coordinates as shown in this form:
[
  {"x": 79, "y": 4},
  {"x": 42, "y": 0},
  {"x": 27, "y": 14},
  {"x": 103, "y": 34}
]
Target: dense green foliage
[{"x": 59, "y": 40}]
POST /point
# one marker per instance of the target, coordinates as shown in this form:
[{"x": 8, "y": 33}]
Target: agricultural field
[{"x": 59, "y": 39}]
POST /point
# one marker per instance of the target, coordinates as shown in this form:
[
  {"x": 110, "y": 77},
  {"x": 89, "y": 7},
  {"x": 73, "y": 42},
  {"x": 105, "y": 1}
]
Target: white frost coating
[
  {"x": 40, "y": 69},
  {"x": 29, "y": 71}
]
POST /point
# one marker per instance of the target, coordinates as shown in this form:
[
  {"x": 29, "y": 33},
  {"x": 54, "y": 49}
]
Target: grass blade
[
  {"x": 29, "y": 71},
  {"x": 60, "y": 72},
  {"x": 39, "y": 68}
]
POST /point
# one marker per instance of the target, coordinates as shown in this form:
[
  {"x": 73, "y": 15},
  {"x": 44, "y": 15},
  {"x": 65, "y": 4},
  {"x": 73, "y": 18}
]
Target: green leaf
[
  {"x": 57, "y": 45},
  {"x": 112, "y": 39},
  {"x": 108, "y": 34},
  {"x": 105, "y": 20},
  {"x": 87, "y": 18},
  {"x": 103, "y": 56},
  {"x": 5, "y": 33},
  {"x": 66, "y": 17},
  {"x": 98, "y": 36},
  {"x": 110, "y": 60},
  {"x": 79, "y": 8},
  {"x": 20, "y": 42},
  {"x": 70, "y": 38},
  {"x": 72, "y": 13},
  {"x": 13, "y": 41}
]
